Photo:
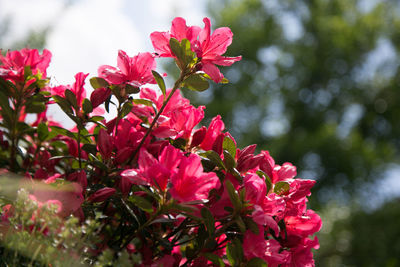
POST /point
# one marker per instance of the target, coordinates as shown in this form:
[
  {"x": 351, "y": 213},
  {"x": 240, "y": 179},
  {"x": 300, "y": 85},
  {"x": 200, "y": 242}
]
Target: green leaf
[
  {"x": 143, "y": 102},
  {"x": 256, "y": 262},
  {"x": 5, "y": 110},
  {"x": 87, "y": 106},
  {"x": 42, "y": 131},
  {"x": 214, "y": 259},
  {"x": 208, "y": 220},
  {"x": 241, "y": 224},
  {"x": 252, "y": 225},
  {"x": 175, "y": 48},
  {"x": 62, "y": 131},
  {"x": 229, "y": 161},
  {"x": 35, "y": 107},
  {"x": 130, "y": 89},
  {"x": 126, "y": 109},
  {"x": 90, "y": 148},
  {"x": 229, "y": 145},
  {"x": 98, "y": 82},
  {"x": 196, "y": 82},
  {"x": 233, "y": 195},
  {"x": 142, "y": 203},
  {"x": 71, "y": 97},
  {"x": 160, "y": 81},
  {"x": 214, "y": 158},
  {"x": 63, "y": 103},
  {"x": 107, "y": 104},
  {"x": 267, "y": 179},
  {"x": 234, "y": 252},
  {"x": 97, "y": 118},
  {"x": 183, "y": 52},
  {"x": 27, "y": 71},
  {"x": 281, "y": 188}
]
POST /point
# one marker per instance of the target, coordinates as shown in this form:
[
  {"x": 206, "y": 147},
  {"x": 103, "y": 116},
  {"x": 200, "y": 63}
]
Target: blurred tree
[{"x": 317, "y": 86}]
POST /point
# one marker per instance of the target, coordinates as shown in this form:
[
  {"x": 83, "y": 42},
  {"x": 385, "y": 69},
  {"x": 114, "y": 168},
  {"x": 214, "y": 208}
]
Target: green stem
[
  {"x": 177, "y": 85},
  {"x": 79, "y": 148}
]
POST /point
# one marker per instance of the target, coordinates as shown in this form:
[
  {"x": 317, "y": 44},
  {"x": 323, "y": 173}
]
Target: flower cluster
[{"x": 170, "y": 191}]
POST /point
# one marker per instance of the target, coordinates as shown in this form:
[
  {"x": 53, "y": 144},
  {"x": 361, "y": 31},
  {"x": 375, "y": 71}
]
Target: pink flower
[
  {"x": 135, "y": 71},
  {"x": 208, "y": 47},
  {"x": 190, "y": 182},
  {"x": 77, "y": 88},
  {"x": 105, "y": 144},
  {"x": 256, "y": 189},
  {"x": 152, "y": 171},
  {"x": 102, "y": 194},
  {"x": 211, "y": 48},
  {"x": 69, "y": 195},
  {"x": 13, "y": 63},
  {"x": 213, "y": 131},
  {"x": 301, "y": 255},
  {"x": 303, "y": 226},
  {"x": 179, "y": 31},
  {"x": 268, "y": 250}
]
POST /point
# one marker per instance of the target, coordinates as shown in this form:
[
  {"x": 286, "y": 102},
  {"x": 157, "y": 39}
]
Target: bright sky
[{"x": 88, "y": 33}]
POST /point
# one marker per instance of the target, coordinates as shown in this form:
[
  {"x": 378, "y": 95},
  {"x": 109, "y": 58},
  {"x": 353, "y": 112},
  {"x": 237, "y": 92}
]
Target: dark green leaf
[
  {"x": 87, "y": 106},
  {"x": 233, "y": 195},
  {"x": 229, "y": 161},
  {"x": 142, "y": 203},
  {"x": 63, "y": 103},
  {"x": 252, "y": 225},
  {"x": 208, "y": 220},
  {"x": 160, "y": 81},
  {"x": 71, "y": 97},
  {"x": 214, "y": 158},
  {"x": 35, "y": 107},
  {"x": 234, "y": 252},
  {"x": 256, "y": 262},
  {"x": 130, "y": 89},
  {"x": 42, "y": 131},
  {"x": 214, "y": 259},
  {"x": 126, "y": 109},
  {"x": 98, "y": 82},
  {"x": 196, "y": 82},
  {"x": 281, "y": 188},
  {"x": 107, "y": 104},
  {"x": 90, "y": 148}
]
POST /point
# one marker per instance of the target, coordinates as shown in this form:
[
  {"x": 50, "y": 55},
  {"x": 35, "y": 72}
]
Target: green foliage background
[{"x": 327, "y": 101}]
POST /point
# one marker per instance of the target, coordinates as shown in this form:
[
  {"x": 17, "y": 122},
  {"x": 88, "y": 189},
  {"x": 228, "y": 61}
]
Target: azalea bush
[{"x": 150, "y": 187}]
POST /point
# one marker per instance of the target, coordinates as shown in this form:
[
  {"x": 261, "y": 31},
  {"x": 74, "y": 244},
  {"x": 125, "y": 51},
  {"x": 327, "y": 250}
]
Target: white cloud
[
  {"x": 88, "y": 35},
  {"x": 27, "y": 15}
]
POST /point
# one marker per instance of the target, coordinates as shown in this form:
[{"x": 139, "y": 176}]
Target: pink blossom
[
  {"x": 179, "y": 31},
  {"x": 303, "y": 226},
  {"x": 211, "y": 47},
  {"x": 256, "y": 189},
  {"x": 254, "y": 245},
  {"x": 215, "y": 128},
  {"x": 13, "y": 63},
  {"x": 77, "y": 88},
  {"x": 102, "y": 194},
  {"x": 104, "y": 144},
  {"x": 190, "y": 182},
  {"x": 135, "y": 71},
  {"x": 69, "y": 195}
]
